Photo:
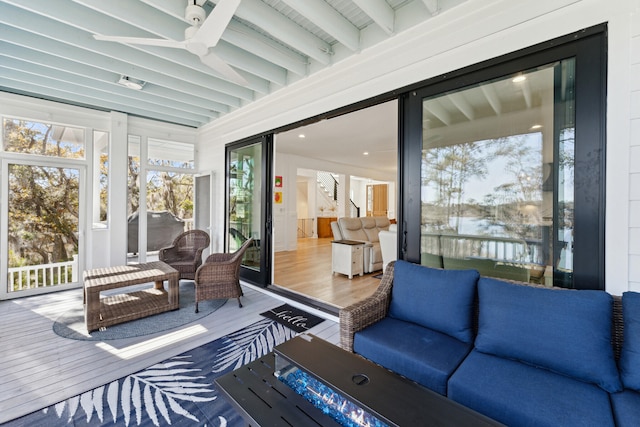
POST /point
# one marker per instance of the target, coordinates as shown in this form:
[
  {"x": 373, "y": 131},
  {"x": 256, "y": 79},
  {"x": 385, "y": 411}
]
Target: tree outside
[{"x": 43, "y": 203}]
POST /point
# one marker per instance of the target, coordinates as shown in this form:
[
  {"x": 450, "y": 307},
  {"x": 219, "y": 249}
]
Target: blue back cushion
[
  {"x": 630, "y": 355},
  {"x": 565, "y": 331},
  {"x": 438, "y": 299}
]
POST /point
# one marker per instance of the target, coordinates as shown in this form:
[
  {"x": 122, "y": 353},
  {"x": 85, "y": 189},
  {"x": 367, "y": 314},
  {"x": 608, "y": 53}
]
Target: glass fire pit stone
[{"x": 330, "y": 402}]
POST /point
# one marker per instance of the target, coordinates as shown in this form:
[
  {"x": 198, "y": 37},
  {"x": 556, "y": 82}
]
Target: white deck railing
[
  {"x": 497, "y": 248},
  {"x": 39, "y": 276}
]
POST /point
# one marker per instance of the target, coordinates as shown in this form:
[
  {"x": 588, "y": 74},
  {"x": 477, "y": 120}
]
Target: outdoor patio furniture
[
  {"x": 219, "y": 276},
  {"x": 118, "y": 308},
  {"x": 185, "y": 254}
]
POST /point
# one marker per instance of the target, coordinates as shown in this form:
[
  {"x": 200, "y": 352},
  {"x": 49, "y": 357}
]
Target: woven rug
[
  {"x": 293, "y": 317},
  {"x": 71, "y": 323},
  {"x": 179, "y": 391}
]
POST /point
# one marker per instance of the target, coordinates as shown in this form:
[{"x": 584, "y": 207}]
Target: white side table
[{"x": 347, "y": 257}]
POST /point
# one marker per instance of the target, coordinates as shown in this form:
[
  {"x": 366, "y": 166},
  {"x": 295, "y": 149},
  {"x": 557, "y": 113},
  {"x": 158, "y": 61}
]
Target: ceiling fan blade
[
  {"x": 212, "y": 60},
  {"x": 212, "y": 28},
  {"x": 143, "y": 41}
]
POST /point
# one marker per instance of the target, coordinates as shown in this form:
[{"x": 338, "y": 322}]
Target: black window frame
[{"x": 588, "y": 47}]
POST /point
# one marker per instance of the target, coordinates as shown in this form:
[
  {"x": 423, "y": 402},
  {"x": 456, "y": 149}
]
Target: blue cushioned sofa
[{"x": 522, "y": 354}]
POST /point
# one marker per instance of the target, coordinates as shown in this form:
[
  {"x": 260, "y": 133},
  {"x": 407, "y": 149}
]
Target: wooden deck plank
[{"x": 38, "y": 368}]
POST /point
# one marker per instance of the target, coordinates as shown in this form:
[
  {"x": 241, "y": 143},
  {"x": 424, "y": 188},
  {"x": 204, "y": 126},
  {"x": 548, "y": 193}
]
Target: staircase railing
[
  {"x": 330, "y": 185},
  {"x": 354, "y": 210}
]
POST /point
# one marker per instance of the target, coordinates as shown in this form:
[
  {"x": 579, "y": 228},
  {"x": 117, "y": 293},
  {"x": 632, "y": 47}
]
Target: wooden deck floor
[{"x": 38, "y": 368}]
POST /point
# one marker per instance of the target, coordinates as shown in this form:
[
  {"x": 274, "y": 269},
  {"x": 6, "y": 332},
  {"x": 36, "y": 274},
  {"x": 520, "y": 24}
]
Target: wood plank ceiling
[{"x": 47, "y": 50}]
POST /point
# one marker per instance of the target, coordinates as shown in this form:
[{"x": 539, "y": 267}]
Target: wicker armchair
[
  {"x": 219, "y": 276},
  {"x": 185, "y": 254}
]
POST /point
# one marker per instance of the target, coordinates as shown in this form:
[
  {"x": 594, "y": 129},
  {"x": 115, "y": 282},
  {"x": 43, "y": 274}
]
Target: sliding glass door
[
  {"x": 248, "y": 206},
  {"x": 492, "y": 157}
]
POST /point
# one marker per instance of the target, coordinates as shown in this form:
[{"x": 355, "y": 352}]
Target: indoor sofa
[
  {"x": 363, "y": 229},
  {"x": 524, "y": 355}
]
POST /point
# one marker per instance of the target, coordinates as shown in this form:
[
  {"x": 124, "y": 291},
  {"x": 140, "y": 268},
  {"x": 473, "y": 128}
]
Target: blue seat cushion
[
  {"x": 565, "y": 331},
  {"x": 626, "y": 408},
  {"x": 441, "y": 300},
  {"x": 518, "y": 394},
  {"x": 423, "y": 355},
  {"x": 630, "y": 354}
]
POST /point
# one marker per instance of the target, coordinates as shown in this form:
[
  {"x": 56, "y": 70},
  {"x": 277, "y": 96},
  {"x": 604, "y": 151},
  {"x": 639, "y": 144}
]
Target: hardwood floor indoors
[{"x": 307, "y": 271}]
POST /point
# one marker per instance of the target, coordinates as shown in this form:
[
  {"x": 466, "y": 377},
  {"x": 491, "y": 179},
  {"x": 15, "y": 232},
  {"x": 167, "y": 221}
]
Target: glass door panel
[
  {"x": 43, "y": 206},
  {"x": 497, "y": 176},
  {"x": 245, "y": 202}
]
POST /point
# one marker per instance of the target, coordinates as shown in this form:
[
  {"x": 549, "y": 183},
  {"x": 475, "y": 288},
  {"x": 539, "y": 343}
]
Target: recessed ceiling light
[
  {"x": 534, "y": 127},
  {"x": 302, "y": 135},
  {"x": 131, "y": 83},
  {"x": 366, "y": 153},
  {"x": 519, "y": 79}
]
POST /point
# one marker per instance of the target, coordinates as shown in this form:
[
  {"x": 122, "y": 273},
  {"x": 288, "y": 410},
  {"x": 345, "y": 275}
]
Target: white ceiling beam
[
  {"x": 48, "y": 46},
  {"x": 462, "y": 104},
  {"x": 326, "y": 17},
  {"x": 104, "y": 92},
  {"x": 120, "y": 24},
  {"x": 25, "y": 60},
  {"x": 250, "y": 40},
  {"x": 71, "y": 37},
  {"x": 113, "y": 24},
  {"x": 137, "y": 14},
  {"x": 280, "y": 27},
  {"x": 37, "y": 89},
  {"x": 381, "y": 13},
  {"x": 245, "y": 38},
  {"x": 110, "y": 25},
  {"x": 492, "y": 98},
  {"x": 432, "y": 6},
  {"x": 439, "y": 111},
  {"x": 170, "y": 7},
  {"x": 23, "y": 20}
]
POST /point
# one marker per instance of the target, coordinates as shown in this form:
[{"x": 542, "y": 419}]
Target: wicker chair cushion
[
  {"x": 564, "y": 331},
  {"x": 422, "y": 354},
  {"x": 626, "y": 408},
  {"x": 630, "y": 355},
  {"x": 517, "y": 394},
  {"x": 438, "y": 299}
]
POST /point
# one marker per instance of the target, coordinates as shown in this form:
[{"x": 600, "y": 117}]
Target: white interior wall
[
  {"x": 475, "y": 31},
  {"x": 634, "y": 150}
]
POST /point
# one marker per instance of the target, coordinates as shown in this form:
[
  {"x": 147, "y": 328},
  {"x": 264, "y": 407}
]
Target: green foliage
[{"x": 43, "y": 201}]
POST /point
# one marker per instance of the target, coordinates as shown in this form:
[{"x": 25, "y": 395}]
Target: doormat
[{"x": 293, "y": 318}]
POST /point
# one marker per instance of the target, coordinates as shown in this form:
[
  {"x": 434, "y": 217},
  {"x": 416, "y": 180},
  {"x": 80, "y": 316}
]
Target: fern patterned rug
[{"x": 179, "y": 391}]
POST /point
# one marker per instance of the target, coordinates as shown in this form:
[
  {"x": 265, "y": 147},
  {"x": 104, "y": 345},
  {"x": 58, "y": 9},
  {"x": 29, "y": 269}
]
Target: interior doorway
[{"x": 340, "y": 167}]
